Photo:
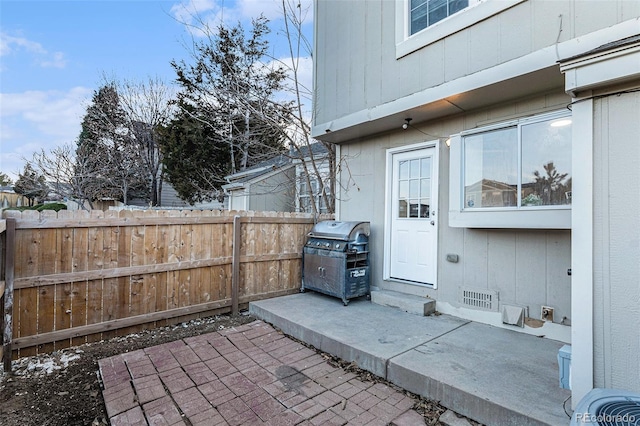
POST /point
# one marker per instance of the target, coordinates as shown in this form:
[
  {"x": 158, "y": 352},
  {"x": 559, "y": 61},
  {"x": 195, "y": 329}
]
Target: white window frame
[
  {"x": 477, "y": 11},
  {"x": 323, "y": 170},
  {"x": 530, "y": 217}
]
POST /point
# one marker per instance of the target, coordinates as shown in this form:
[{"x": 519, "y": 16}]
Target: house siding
[
  {"x": 616, "y": 235},
  {"x": 527, "y": 267},
  {"x": 274, "y": 193},
  {"x": 364, "y": 32}
]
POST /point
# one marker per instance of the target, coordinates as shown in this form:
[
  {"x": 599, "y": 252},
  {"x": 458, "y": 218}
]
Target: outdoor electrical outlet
[{"x": 547, "y": 314}]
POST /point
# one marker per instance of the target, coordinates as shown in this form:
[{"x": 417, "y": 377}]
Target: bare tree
[
  {"x": 58, "y": 167},
  {"x": 147, "y": 107},
  {"x": 228, "y": 110},
  {"x": 108, "y": 158},
  {"x": 315, "y": 173}
]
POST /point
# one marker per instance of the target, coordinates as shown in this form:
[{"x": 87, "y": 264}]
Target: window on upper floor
[
  {"x": 519, "y": 166},
  {"x": 424, "y": 13},
  {"x": 422, "y": 22}
]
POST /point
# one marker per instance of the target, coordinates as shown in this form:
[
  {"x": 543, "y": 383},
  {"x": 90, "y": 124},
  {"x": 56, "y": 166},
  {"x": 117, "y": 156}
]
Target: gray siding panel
[
  {"x": 476, "y": 259},
  {"x": 531, "y": 270},
  {"x": 356, "y": 62},
  {"x": 502, "y": 264}
]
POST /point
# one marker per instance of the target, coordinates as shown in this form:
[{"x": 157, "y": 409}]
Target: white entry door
[{"x": 414, "y": 236}]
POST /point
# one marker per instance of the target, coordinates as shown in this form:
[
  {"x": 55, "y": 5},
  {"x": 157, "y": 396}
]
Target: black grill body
[{"x": 335, "y": 259}]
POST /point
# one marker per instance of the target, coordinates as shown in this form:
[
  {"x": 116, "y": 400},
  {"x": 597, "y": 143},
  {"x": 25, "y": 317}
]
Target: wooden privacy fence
[{"x": 85, "y": 276}]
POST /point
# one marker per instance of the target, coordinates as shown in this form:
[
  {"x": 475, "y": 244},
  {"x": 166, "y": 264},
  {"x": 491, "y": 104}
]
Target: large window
[
  {"x": 424, "y": 13},
  {"x": 524, "y": 165},
  {"x": 519, "y": 166}
]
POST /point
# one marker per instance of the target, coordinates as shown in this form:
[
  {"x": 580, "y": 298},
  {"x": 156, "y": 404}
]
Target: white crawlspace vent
[{"x": 487, "y": 300}]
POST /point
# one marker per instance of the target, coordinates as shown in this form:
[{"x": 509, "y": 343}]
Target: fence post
[
  {"x": 10, "y": 247},
  {"x": 235, "y": 265}
]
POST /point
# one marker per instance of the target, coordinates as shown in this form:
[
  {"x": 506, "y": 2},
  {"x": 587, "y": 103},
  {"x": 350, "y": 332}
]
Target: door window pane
[
  {"x": 424, "y": 208},
  {"x": 402, "y": 208},
  {"x": 415, "y": 169},
  {"x": 403, "y": 169},
  {"x": 404, "y": 189},
  {"x": 425, "y": 187},
  {"x": 414, "y": 188},
  {"x": 413, "y": 208},
  {"x": 425, "y": 167}
]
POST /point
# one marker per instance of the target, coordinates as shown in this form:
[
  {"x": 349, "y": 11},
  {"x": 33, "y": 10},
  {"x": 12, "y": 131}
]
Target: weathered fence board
[
  {"x": 85, "y": 276},
  {"x": 7, "y": 295}
]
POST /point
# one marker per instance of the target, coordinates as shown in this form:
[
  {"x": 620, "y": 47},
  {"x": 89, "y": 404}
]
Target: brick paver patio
[{"x": 247, "y": 375}]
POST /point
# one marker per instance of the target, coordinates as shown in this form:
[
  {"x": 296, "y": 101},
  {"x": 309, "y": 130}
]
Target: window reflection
[
  {"x": 491, "y": 169},
  {"x": 546, "y": 164}
]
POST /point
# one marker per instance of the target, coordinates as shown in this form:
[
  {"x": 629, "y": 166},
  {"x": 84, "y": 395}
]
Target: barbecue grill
[{"x": 335, "y": 259}]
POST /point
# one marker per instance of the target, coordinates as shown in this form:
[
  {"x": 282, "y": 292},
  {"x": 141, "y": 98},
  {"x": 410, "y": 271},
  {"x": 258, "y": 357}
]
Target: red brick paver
[{"x": 243, "y": 376}]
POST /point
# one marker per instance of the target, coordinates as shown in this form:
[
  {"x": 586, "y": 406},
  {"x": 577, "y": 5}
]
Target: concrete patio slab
[
  {"x": 361, "y": 332},
  {"x": 492, "y": 375}
]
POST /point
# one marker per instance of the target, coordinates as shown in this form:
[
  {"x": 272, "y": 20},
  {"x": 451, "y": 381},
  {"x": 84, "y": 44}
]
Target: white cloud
[
  {"x": 13, "y": 45},
  {"x": 56, "y": 60},
  {"x": 271, "y": 9},
  {"x": 202, "y": 17},
  {"x": 187, "y": 11},
  {"x": 198, "y": 15},
  {"x": 35, "y": 120},
  {"x": 9, "y": 44}
]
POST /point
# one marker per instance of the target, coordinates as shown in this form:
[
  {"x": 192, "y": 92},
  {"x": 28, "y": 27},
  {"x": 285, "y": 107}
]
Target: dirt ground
[{"x": 64, "y": 388}]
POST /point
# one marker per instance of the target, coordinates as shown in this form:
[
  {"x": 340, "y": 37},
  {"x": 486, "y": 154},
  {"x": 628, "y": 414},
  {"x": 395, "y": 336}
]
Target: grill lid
[{"x": 344, "y": 231}]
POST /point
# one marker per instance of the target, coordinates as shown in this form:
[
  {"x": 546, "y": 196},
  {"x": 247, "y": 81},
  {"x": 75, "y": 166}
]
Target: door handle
[{"x": 433, "y": 222}]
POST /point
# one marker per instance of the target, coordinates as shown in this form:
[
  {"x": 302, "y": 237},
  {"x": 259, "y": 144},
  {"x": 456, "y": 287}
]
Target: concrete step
[{"x": 410, "y": 303}]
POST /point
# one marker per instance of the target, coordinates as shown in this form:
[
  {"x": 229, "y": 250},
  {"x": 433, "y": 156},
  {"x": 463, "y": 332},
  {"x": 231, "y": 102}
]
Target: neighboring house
[
  {"x": 280, "y": 183},
  {"x": 493, "y": 145},
  {"x": 9, "y": 198},
  {"x": 169, "y": 199},
  {"x": 267, "y": 186}
]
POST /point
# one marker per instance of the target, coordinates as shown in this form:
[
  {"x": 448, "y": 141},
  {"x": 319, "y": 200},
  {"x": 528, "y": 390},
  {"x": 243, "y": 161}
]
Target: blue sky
[{"x": 53, "y": 55}]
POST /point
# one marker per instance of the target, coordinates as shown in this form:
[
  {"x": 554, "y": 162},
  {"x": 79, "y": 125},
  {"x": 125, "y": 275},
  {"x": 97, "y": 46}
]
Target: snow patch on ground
[{"x": 44, "y": 364}]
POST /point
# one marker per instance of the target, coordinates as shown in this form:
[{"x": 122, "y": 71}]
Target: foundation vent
[{"x": 487, "y": 300}]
